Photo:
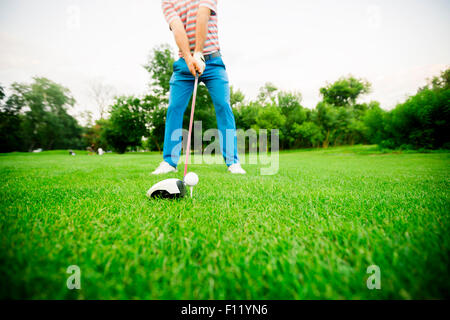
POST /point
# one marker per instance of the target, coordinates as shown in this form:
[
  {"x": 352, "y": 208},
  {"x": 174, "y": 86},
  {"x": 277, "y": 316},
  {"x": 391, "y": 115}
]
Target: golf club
[
  {"x": 188, "y": 147},
  {"x": 175, "y": 188}
]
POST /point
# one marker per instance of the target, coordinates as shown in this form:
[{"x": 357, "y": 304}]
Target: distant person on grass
[{"x": 194, "y": 25}]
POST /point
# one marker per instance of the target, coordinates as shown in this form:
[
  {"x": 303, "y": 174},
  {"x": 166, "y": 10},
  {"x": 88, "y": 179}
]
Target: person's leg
[
  {"x": 181, "y": 87},
  {"x": 216, "y": 79}
]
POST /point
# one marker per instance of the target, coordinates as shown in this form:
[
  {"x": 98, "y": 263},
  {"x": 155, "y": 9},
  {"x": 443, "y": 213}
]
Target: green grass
[{"x": 308, "y": 232}]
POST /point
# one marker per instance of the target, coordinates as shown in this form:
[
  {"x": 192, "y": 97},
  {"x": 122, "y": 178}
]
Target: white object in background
[
  {"x": 37, "y": 150},
  {"x": 100, "y": 152}
]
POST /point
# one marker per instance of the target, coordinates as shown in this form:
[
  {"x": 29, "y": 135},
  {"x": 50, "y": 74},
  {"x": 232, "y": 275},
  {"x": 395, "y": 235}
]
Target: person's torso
[{"x": 187, "y": 11}]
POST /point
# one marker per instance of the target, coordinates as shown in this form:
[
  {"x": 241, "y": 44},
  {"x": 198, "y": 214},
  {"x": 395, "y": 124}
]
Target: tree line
[{"x": 36, "y": 115}]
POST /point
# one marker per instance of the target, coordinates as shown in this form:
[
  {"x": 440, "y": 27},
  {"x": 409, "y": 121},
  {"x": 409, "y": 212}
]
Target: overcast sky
[{"x": 296, "y": 44}]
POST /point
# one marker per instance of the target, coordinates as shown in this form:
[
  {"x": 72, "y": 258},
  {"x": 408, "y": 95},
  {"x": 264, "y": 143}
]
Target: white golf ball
[{"x": 191, "y": 179}]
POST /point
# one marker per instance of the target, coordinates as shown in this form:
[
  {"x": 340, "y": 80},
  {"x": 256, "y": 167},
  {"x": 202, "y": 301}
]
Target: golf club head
[{"x": 167, "y": 189}]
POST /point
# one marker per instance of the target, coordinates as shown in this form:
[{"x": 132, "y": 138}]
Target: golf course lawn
[{"x": 310, "y": 231}]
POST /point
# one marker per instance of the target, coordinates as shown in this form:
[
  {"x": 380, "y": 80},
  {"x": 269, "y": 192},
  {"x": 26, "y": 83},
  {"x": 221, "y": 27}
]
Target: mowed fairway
[{"x": 308, "y": 232}]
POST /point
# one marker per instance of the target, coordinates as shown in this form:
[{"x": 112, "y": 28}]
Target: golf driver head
[{"x": 167, "y": 189}]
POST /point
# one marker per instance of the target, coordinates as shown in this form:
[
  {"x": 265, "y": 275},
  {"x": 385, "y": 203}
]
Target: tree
[
  {"x": 236, "y": 98},
  {"x": 309, "y": 133},
  {"x": 290, "y": 107},
  {"x": 127, "y": 124},
  {"x": 345, "y": 91},
  {"x": 439, "y": 82},
  {"x": 246, "y": 115},
  {"x": 374, "y": 121},
  {"x": 156, "y": 110},
  {"x": 344, "y": 126},
  {"x": 339, "y": 115},
  {"x": 10, "y": 126},
  {"x": 326, "y": 117},
  {"x": 2, "y": 94},
  {"x": 160, "y": 67},
  {"x": 267, "y": 93},
  {"x": 42, "y": 106},
  {"x": 422, "y": 121},
  {"x": 93, "y": 136},
  {"x": 270, "y": 118},
  {"x": 103, "y": 95}
]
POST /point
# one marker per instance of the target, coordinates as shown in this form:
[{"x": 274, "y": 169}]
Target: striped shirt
[{"x": 186, "y": 10}]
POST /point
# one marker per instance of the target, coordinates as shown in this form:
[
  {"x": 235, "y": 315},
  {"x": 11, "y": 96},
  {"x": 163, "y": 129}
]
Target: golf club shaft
[{"x": 188, "y": 147}]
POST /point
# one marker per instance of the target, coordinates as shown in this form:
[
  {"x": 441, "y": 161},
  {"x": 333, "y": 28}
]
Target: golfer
[{"x": 194, "y": 25}]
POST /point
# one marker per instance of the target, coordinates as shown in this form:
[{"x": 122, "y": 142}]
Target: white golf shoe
[
  {"x": 236, "y": 169},
  {"x": 164, "y": 168}
]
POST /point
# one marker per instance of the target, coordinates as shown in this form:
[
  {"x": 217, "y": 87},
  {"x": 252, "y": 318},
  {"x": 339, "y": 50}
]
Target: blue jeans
[{"x": 181, "y": 87}]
